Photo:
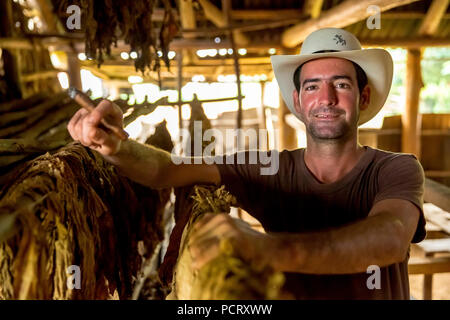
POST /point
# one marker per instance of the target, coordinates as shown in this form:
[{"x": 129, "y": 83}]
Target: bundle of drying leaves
[
  {"x": 227, "y": 276},
  {"x": 106, "y": 21},
  {"x": 84, "y": 214}
]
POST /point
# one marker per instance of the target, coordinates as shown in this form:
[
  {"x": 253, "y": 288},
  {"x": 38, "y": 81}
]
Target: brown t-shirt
[{"x": 293, "y": 200}]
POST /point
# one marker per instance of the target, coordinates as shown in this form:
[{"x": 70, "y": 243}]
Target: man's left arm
[{"x": 383, "y": 238}]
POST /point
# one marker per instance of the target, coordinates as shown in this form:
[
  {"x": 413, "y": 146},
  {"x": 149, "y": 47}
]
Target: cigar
[{"x": 84, "y": 101}]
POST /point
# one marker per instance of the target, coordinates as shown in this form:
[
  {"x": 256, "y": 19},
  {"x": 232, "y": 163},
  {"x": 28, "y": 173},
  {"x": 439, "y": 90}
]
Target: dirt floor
[{"x": 441, "y": 282}]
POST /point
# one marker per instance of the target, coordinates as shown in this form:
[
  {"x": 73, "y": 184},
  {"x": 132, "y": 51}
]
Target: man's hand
[
  {"x": 85, "y": 127},
  {"x": 248, "y": 244}
]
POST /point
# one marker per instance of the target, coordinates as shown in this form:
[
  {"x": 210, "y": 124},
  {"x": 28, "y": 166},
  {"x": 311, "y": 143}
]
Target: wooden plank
[
  {"x": 39, "y": 75},
  {"x": 435, "y": 245},
  {"x": 342, "y": 15},
  {"x": 437, "y": 173},
  {"x": 410, "y": 118},
  {"x": 268, "y": 14},
  {"x": 275, "y": 14},
  {"x": 438, "y": 194},
  {"x": 429, "y": 265},
  {"x": 431, "y": 227},
  {"x": 410, "y": 42},
  {"x": 433, "y": 17}
]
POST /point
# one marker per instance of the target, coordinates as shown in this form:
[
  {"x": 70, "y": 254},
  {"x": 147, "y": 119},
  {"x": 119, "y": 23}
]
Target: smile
[{"x": 326, "y": 116}]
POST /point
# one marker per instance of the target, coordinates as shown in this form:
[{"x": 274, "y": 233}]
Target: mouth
[{"x": 326, "y": 116}]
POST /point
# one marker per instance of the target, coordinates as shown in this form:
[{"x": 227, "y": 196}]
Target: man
[{"x": 333, "y": 209}]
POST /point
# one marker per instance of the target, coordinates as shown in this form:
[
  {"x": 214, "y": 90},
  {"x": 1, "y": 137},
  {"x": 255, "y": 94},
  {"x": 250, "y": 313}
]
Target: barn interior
[{"x": 168, "y": 63}]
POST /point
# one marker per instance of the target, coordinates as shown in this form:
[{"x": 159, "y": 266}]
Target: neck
[{"x": 330, "y": 160}]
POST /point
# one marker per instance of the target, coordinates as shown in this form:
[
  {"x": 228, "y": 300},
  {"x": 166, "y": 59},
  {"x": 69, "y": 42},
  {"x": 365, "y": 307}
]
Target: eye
[
  {"x": 310, "y": 88},
  {"x": 343, "y": 85}
]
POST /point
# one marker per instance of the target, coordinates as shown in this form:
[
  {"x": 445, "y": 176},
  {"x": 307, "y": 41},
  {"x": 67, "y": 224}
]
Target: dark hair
[{"x": 361, "y": 77}]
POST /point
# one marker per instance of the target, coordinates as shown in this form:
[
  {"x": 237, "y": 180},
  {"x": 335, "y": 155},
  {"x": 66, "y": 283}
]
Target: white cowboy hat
[{"x": 377, "y": 64}]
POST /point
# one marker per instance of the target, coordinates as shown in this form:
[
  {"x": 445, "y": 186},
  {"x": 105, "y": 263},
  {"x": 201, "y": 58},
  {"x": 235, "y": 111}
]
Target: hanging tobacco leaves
[
  {"x": 106, "y": 21},
  {"x": 77, "y": 211}
]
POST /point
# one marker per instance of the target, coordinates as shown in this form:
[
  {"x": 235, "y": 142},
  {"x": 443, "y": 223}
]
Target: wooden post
[
  {"x": 187, "y": 16},
  {"x": 261, "y": 110},
  {"x": 410, "y": 118},
  {"x": 11, "y": 58},
  {"x": 427, "y": 289},
  {"x": 226, "y": 6},
  {"x": 74, "y": 71},
  {"x": 287, "y": 134},
  {"x": 180, "y": 86}
]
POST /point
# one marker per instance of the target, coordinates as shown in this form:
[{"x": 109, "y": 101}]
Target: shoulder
[
  {"x": 387, "y": 160},
  {"x": 395, "y": 167}
]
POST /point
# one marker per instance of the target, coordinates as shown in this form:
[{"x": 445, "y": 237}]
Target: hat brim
[{"x": 377, "y": 64}]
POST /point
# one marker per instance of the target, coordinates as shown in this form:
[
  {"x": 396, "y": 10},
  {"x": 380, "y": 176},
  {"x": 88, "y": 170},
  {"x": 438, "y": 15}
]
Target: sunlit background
[{"x": 435, "y": 96}]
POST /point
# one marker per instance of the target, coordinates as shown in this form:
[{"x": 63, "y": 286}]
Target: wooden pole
[
  {"x": 260, "y": 109},
  {"x": 180, "y": 86},
  {"x": 226, "y": 6},
  {"x": 410, "y": 118},
  {"x": 287, "y": 134},
  {"x": 11, "y": 58},
  {"x": 74, "y": 71},
  {"x": 187, "y": 16}
]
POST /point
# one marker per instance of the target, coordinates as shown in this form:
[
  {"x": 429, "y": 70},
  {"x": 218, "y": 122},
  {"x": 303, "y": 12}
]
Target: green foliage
[{"x": 435, "y": 95}]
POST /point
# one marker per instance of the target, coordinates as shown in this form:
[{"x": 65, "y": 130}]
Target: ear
[
  {"x": 296, "y": 99},
  {"x": 364, "y": 100}
]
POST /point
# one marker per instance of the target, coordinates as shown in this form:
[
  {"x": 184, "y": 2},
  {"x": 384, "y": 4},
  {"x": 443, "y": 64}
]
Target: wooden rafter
[
  {"x": 433, "y": 17},
  {"x": 312, "y": 8},
  {"x": 187, "y": 16},
  {"x": 217, "y": 17},
  {"x": 344, "y": 14},
  {"x": 50, "y": 19},
  {"x": 249, "y": 14}
]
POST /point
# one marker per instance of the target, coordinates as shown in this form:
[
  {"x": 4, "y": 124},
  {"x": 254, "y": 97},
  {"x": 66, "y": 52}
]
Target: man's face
[{"x": 329, "y": 99}]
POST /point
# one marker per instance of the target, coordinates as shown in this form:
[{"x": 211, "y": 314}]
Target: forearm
[
  {"x": 141, "y": 163},
  {"x": 348, "y": 249}
]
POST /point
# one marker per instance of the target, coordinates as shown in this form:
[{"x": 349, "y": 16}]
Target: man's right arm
[{"x": 144, "y": 164}]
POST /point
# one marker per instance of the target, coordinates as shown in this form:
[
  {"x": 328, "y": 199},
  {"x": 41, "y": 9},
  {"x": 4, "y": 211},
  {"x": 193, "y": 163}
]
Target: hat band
[{"x": 325, "y": 51}]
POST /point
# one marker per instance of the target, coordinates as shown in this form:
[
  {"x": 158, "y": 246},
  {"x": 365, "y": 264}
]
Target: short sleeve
[
  {"x": 243, "y": 174},
  {"x": 402, "y": 177}
]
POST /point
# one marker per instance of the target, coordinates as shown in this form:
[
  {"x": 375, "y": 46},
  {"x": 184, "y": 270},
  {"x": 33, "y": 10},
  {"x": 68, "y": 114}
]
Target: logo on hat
[{"x": 339, "y": 39}]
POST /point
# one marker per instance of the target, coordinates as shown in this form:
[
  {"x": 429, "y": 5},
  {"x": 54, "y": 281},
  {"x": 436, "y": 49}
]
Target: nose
[{"x": 327, "y": 95}]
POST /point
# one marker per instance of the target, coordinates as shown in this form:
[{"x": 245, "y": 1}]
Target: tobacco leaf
[{"x": 92, "y": 217}]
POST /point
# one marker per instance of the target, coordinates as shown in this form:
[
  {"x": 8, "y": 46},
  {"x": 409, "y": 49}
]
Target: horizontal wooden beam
[
  {"x": 413, "y": 42},
  {"x": 242, "y": 27},
  {"x": 39, "y": 75},
  {"x": 296, "y": 13},
  {"x": 268, "y": 14},
  {"x": 437, "y": 173},
  {"x": 429, "y": 265},
  {"x": 342, "y": 15}
]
